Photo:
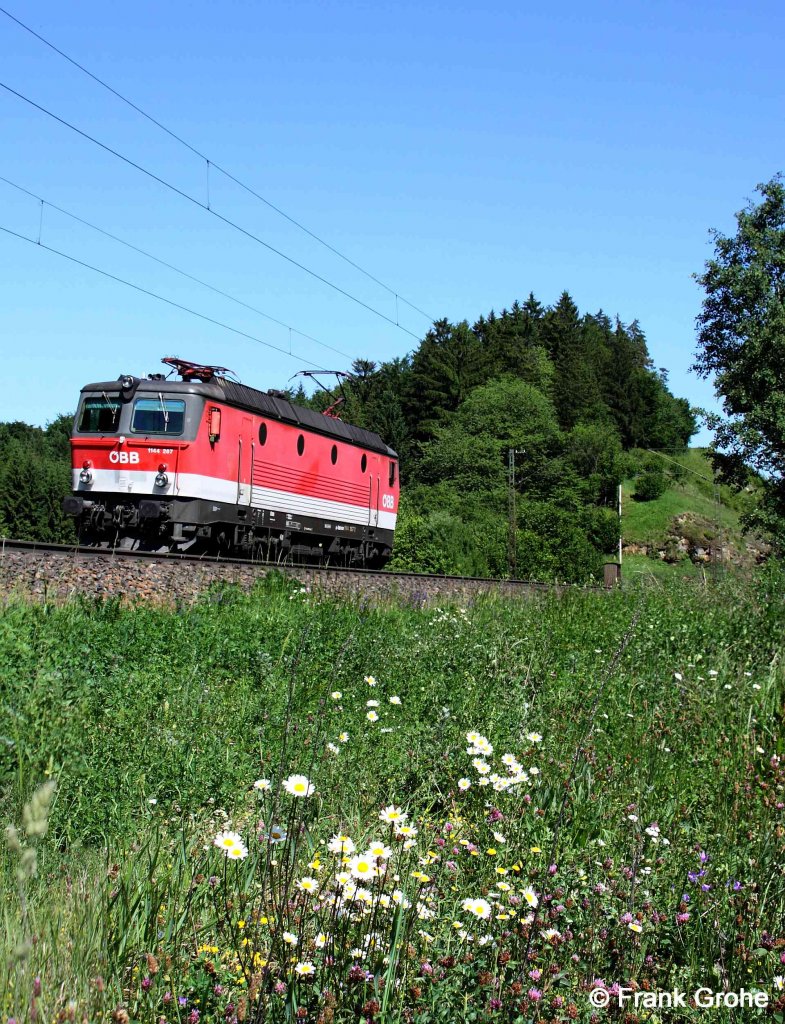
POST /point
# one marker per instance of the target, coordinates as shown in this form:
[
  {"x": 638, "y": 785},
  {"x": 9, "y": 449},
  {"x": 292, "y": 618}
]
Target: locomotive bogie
[{"x": 218, "y": 467}]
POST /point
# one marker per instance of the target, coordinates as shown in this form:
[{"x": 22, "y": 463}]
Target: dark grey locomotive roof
[{"x": 270, "y": 406}]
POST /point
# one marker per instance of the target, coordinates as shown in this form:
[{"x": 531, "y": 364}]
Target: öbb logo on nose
[{"x": 124, "y": 457}]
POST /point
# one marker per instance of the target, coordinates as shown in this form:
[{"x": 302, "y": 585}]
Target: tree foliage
[
  {"x": 35, "y": 475},
  {"x": 741, "y": 344}
]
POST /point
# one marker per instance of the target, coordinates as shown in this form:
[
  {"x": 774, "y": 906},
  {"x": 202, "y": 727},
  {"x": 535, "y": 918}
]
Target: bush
[{"x": 650, "y": 485}]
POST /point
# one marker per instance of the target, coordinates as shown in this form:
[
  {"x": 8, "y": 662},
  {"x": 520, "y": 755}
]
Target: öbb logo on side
[
  {"x": 388, "y": 501},
  {"x": 124, "y": 457}
]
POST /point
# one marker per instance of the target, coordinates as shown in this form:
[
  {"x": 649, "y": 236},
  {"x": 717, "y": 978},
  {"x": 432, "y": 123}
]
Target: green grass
[
  {"x": 648, "y": 522},
  {"x": 657, "y": 704},
  {"x": 640, "y": 569}
]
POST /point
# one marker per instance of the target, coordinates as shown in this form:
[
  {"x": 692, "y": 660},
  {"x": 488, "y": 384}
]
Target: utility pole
[{"x": 512, "y": 514}]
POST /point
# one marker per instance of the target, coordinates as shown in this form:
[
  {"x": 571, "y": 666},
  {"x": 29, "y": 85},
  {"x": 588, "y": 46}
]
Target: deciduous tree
[{"x": 741, "y": 343}]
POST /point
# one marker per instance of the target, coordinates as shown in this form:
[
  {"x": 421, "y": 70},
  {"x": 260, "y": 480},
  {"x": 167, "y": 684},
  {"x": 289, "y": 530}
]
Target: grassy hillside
[{"x": 692, "y": 509}]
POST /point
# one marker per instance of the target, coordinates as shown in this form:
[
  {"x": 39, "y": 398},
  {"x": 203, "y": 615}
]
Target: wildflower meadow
[{"x": 281, "y": 806}]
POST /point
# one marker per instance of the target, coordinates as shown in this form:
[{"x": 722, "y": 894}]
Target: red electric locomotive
[{"x": 206, "y": 464}]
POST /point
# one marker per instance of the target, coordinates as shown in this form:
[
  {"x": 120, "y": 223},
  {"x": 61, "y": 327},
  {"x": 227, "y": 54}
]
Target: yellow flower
[
  {"x": 241, "y": 924},
  {"x": 491, "y": 852}
]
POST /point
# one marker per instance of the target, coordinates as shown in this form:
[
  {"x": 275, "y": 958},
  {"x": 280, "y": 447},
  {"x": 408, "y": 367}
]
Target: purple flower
[
  {"x": 534, "y": 994},
  {"x": 535, "y": 975},
  {"x": 552, "y": 869},
  {"x": 193, "y": 1016},
  {"x": 703, "y": 856},
  {"x": 705, "y": 888},
  {"x": 280, "y": 988},
  {"x": 692, "y": 876},
  {"x": 147, "y": 984},
  {"x": 495, "y": 1004},
  {"x": 682, "y": 918},
  {"x": 181, "y": 1000},
  {"x": 626, "y": 918}
]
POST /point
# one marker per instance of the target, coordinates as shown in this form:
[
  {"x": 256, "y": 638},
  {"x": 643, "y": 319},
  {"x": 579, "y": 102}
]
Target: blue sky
[{"x": 464, "y": 154}]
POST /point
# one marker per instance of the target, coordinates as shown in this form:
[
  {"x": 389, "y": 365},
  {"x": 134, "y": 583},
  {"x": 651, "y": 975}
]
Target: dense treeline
[
  {"x": 35, "y": 474},
  {"x": 571, "y": 395}
]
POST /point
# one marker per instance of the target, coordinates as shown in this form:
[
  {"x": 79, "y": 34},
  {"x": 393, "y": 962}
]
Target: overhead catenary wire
[
  {"x": 209, "y": 162},
  {"x": 169, "y": 266},
  {"x": 160, "y": 298},
  {"x": 202, "y": 206}
]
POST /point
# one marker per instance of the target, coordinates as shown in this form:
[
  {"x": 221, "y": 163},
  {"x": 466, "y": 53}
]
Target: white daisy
[
  {"x": 530, "y": 896},
  {"x": 393, "y": 815},
  {"x": 379, "y": 850},
  {"x": 341, "y": 844},
  {"x": 363, "y": 866},
  {"x": 227, "y": 840},
  {"x": 298, "y": 785},
  {"x": 479, "y": 907}
]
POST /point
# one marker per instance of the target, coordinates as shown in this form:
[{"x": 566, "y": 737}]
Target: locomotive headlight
[
  {"x": 162, "y": 479},
  {"x": 86, "y": 477}
]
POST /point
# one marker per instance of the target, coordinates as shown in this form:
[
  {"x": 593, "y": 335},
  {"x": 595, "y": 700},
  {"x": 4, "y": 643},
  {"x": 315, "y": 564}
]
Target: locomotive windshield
[
  {"x": 158, "y": 415},
  {"x": 100, "y": 415}
]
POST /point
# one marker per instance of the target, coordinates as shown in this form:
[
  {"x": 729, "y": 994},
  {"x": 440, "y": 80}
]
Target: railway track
[{"x": 63, "y": 569}]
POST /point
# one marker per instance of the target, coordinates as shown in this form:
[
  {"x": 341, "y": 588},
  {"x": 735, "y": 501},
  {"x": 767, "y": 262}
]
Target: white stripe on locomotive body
[{"x": 141, "y": 482}]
